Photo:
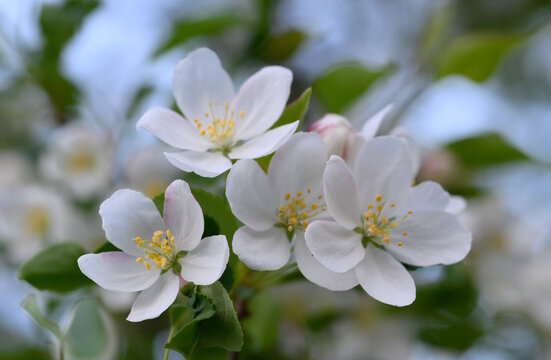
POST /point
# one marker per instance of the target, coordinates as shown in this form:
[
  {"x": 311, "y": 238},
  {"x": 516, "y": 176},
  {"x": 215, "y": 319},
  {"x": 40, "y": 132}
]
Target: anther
[
  {"x": 241, "y": 114},
  {"x": 139, "y": 260},
  {"x": 405, "y": 234},
  {"x": 378, "y": 198},
  {"x": 400, "y": 243}
]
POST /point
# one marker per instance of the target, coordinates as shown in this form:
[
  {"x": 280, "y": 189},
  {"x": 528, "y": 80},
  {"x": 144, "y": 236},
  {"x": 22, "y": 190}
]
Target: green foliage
[
  {"x": 485, "y": 150},
  {"x": 106, "y": 247},
  {"x": 55, "y": 268},
  {"x": 278, "y": 48},
  {"x": 30, "y": 304},
  {"x": 214, "y": 325},
  {"x": 339, "y": 87},
  {"x": 218, "y": 210},
  {"x": 477, "y": 55},
  {"x": 139, "y": 96},
  {"x": 293, "y": 112},
  {"x": 188, "y": 29},
  {"x": 262, "y": 323}
]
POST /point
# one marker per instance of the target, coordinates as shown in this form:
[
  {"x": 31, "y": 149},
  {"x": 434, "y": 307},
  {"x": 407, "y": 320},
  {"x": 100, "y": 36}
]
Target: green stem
[{"x": 170, "y": 334}]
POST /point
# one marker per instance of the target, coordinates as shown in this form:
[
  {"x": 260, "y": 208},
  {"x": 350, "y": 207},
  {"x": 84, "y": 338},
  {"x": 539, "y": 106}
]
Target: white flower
[
  {"x": 156, "y": 252},
  {"x": 218, "y": 125},
  {"x": 276, "y": 206},
  {"x": 381, "y": 221},
  {"x": 81, "y": 158}
]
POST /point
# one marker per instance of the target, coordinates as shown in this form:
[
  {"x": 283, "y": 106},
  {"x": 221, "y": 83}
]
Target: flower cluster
[{"x": 342, "y": 202}]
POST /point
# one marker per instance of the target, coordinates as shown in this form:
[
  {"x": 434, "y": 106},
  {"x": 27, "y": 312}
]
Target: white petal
[
  {"x": 456, "y": 205},
  {"x": 413, "y": 150},
  {"x": 154, "y": 300},
  {"x": 384, "y": 278},
  {"x": 199, "y": 79},
  {"x": 336, "y": 247},
  {"x": 298, "y": 166},
  {"x": 383, "y": 167},
  {"x": 265, "y": 143},
  {"x": 206, "y": 164},
  {"x": 262, "y": 99},
  {"x": 206, "y": 263},
  {"x": 428, "y": 195},
  {"x": 173, "y": 129},
  {"x": 314, "y": 271},
  {"x": 433, "y": 237},
  {"x": 262, "y": 250},
  {"x": 183, "y": 216},
  {"x": 117, "y": 271},
  {"x": 341, "y": 195},
  {"x": 126, "y": 215},
  {"x": 248, "y": 195},
  {"x": 369, "y": 129}
]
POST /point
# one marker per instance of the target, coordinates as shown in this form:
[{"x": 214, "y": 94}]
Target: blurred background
[{"x": 470, "y": 80}]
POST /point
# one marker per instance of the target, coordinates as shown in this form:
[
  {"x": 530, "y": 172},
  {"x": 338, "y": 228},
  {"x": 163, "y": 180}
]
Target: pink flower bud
[{"x": 337, "y": 133}]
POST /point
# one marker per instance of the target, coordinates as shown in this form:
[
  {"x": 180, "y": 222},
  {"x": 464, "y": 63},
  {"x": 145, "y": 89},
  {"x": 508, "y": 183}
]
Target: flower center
[
  {"x": 159, "y": 250},
  {"x": 220, "y": 129},
  {"x": 80, "y": 160},
  {"x": 36, "y": 220},
  {"x": 295, "y": 211},
  {"x": 376, "y": 228}
]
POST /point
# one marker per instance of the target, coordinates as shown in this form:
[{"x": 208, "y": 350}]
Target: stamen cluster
[
  {"x": 295, "y": 212},
  {"x": 220, "y": 130},
  {"x": 160, "y": 249},
  {"x": 377, "y": 227}
]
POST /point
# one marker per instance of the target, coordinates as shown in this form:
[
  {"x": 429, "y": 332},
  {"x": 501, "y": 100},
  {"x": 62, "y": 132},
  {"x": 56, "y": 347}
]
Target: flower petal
[
  {"x": 428, "y": 195},
  {"x": 173, "y": 129},
  {"x": 297, "y": 166},
  {"x": 206, "y": 164},
  {"x": 456, "y": 205},
  {"x": 262, "y": 250},
  {"x": 384, "y": 278},
  {"x": 183, "y": 216},
  {"x": 206, "y": 263},
  {"x": 341, "y": 195},
  {"x": 433, "y": 237},
  {"x": 383, "y": 167},
  {"x": 261, "y": 100},
  {"x": 126, "y": 215},
  {"x": 314, "y": 271},
  {"x": 336, "y": 247},
  {"x": 413, "y": 150},
  {"x": 265, "y": 143},
  {"x": 154, "y": 300},
  {"x": 248, "y": 195},
  {"x": 117, "y": 271},
  {"x": 199, "y": 79},
  {"x": 370, "y": 127}
]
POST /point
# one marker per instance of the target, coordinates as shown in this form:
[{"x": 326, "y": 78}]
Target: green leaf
[
  {"x": 280, "y": 47},
  {"x": 217, "y": 209},
  {"x": 214, "y": 324},
  {"x": 139, "y": 96},
  {"x": 477, "y": 55},
  {"x": 261, "y": 326},
  {"x": 159, "y": 202},
  {"x": 485, "y": 150},
  {"x": 187, "y": 29},
  {"x": 55, "y": 268},
  {"x": 293, "y": 112},
  {"x": 106, "y": 247},
  {"x": 339, "y": 87},
  {"x": 30, "y": 304}
]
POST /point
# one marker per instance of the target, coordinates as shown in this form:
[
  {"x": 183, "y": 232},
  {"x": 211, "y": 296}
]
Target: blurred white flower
[
  {"x": 219, "y": 126},
  {"x": 81, "y": 158},
  {"x": 382, "y": 221},
  {"x": 148, "y": 171},
  {"x": 32, "y": 216},
  {"x": 176, "y": 250},
  {"x": 15, "y": 169}
]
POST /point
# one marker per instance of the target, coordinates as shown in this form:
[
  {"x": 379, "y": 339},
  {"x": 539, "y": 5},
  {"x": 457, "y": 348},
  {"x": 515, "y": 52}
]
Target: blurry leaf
[
  {"x": 476, "y": 56},
  {"x": 55, "y": 268},
  {"x": 436, "y": 29},
  {"x": 279, "y": 47},
  {"x": 339, "y": 87},
  {"x": 217, "y": 209},
  {"x": 139, "y": 96},
  {"x": 30, "y": 304},
  {"x": 261, "y": 324},
  {"x": 25, "y": 354},
  {"x": 454, "y": 334},
  {"x": 485, "y": 150},
  {"x": 177, "y": 312},
  {"x": 88, "y": 335},
  {"x": 214, "y": 324},
  {"x": 187, "y": 29},
  {"x": 293, "y": 112},
  {"x": 159, "y": 202},
  {"x": 106, "y": 247}
]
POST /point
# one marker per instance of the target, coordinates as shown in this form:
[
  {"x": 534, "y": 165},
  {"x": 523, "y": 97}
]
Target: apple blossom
[
  {"x": 219, "y": 126},
  {"x": 156, "y": 267},
  {"x": 280, "y": 204},
  {"x": 381, "y": 221}
]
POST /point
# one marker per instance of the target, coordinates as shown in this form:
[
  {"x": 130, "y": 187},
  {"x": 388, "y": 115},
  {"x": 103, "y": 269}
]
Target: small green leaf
[
  {"x": 477, "y": 55},
  {"x": 485, "y": 150},
  {"x": 214, "y": 324},
  {"x": 293, "y": 112},
  {"x": 339, "y": 87},
  {"x": 55, "y": 268},
  {"x": 280, "y": 47},
  {"x": 30, "y": 304},
  {"x": 261, "y": 326},
  {"x": 187, "y": 29}
]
